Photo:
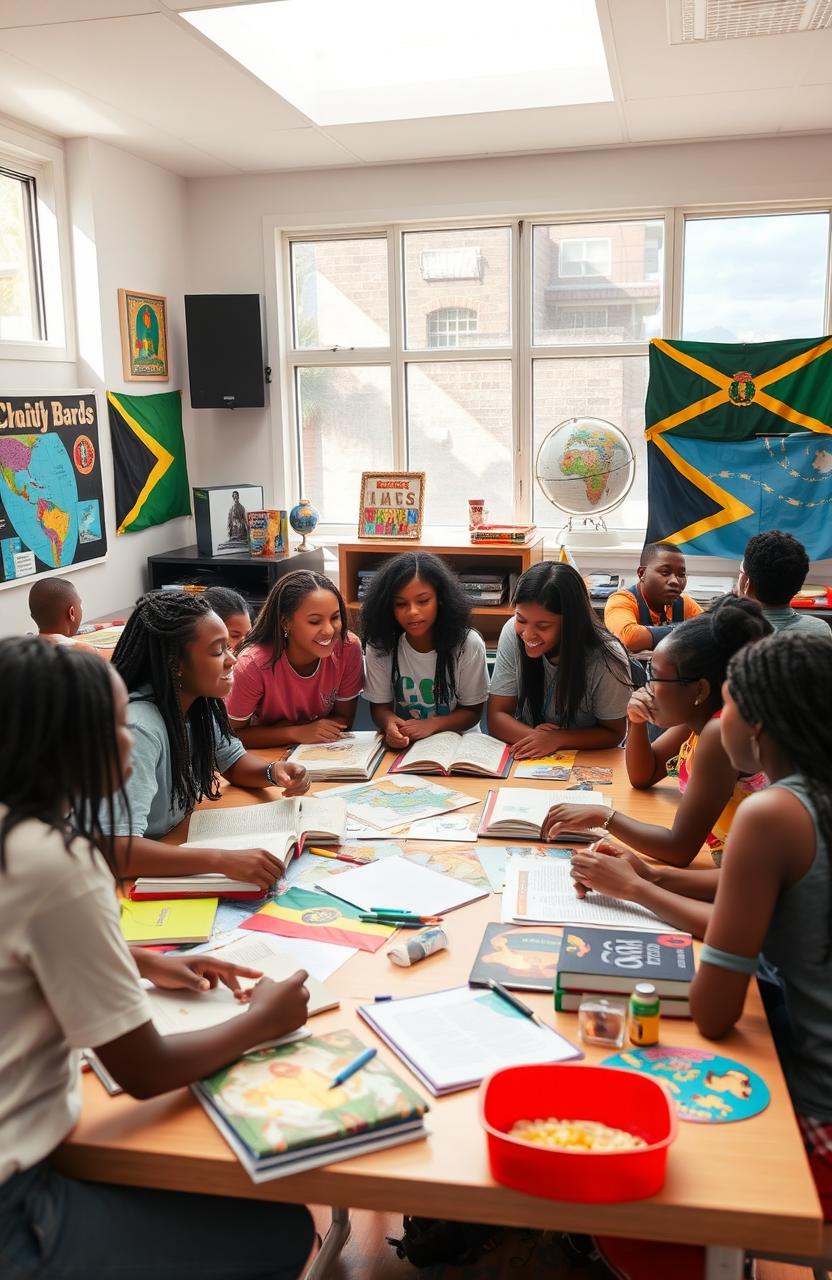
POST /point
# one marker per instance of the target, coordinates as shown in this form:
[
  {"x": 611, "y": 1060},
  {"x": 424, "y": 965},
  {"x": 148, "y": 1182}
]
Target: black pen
[{"x": 513, "y": 1000}]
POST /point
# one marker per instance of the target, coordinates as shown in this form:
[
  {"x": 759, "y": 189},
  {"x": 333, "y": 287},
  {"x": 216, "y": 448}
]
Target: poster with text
[{"x": 51, "y": 491}]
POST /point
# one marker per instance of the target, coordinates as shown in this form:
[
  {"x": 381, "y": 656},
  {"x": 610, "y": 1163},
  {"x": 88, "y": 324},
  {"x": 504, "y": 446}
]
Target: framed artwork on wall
[
  {"x": 144, "y": 336},
  {"x": 392, "y": 504}
]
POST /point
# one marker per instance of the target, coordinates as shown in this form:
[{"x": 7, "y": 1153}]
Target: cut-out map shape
[{"x": 707, "y": 1088}]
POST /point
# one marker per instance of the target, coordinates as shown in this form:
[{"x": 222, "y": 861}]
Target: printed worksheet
[{"x": 541, "y": 891}]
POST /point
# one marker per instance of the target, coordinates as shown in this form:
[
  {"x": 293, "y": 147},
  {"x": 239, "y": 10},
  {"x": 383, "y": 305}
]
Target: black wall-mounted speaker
[{"x": 225, "y": 350}]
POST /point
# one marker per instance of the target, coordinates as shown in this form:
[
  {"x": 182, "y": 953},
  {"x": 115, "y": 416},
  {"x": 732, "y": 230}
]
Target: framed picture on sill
[
  {"x": 144, "y": 336},
  {"x": 392, "y": 505}
]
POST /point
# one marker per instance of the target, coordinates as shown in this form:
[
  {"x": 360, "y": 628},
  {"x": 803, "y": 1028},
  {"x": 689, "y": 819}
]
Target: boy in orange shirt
[{"x": 642, "y": 615}]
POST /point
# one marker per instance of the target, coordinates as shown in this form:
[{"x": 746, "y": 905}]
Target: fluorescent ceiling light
[{"x": 352, "y": 61}]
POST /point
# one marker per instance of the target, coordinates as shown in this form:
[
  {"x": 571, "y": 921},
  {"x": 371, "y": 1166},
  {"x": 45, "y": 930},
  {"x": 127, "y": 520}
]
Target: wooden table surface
[{"x": 732, "y": 1185}]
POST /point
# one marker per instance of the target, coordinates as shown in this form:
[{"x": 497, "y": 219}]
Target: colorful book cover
[
  {"x": 268, "y": 533},
  {"x": 615, "y": 960},
  {"x": 279, "y": 1099},
  {"x": 170, "y": 920},
  {"x": 302, "y": 913},
  {"x": 554, "y": 768},
  {"x": 393, "y": 803},
  {"x": 521, "y": 959}
]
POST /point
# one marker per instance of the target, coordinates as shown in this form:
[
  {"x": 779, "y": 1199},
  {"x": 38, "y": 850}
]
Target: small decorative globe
[
  {"x": 303, "y": 518},
  {"x": 585, "y": 467}
]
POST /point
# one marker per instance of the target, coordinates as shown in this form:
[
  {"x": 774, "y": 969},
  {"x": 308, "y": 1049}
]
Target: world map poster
[{"x": 51, "y": 490}]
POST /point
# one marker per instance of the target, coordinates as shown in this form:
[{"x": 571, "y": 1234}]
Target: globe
[{"x": 585, "y": 467}]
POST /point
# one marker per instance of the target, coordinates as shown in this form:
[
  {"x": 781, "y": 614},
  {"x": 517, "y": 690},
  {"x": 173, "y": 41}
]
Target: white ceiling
[{"x": 135, "y": 74}]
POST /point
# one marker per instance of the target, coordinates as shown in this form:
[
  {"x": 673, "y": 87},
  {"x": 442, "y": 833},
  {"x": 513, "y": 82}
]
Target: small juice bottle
[{"x": 644, "y": 1015}]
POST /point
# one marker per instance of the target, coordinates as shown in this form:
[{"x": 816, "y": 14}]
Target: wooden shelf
[{"x": 461, "y": 555}]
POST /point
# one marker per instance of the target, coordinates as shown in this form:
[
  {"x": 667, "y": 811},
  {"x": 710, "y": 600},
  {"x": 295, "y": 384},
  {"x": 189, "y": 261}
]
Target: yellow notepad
[{"x": 168, "y": 920}]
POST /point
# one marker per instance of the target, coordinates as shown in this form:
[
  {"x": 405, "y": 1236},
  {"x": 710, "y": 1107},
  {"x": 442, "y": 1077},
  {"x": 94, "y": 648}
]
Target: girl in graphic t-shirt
[
  {"x": 426, "y": 669},
  {"x": 299, "y": 670}
]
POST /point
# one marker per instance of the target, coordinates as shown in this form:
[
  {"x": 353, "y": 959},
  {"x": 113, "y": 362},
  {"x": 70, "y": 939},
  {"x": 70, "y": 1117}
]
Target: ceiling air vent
[{"x": 694, "y": 20}]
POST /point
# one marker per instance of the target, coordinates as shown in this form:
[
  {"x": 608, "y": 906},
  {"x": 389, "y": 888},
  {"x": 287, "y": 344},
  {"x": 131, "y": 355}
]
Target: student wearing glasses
[{"x": 683, "y": 696}]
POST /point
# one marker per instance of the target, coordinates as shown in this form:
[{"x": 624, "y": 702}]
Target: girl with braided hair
[
  {"x": 69, "y": 981},
  {"x": 683, "y": 695},
  {"x": 300, "y": 669},
  {"x": 426, "y": 670},
  {"x": 175, "y": 659}
]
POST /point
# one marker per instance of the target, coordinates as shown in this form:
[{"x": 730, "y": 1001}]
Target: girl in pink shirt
[{"x": 299, "y": 670}]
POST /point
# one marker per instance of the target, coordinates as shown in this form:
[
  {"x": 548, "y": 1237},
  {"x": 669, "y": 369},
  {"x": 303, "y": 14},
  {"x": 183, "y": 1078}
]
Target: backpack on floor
[{"x": 428, "y": 1241}]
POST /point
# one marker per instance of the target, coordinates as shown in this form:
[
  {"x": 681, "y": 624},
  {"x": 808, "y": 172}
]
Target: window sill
[{"x": 36, "y": 351}]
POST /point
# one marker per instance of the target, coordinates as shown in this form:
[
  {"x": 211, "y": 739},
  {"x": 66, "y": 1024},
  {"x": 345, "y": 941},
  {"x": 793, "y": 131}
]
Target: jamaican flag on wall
[
  {"x": 151, "y": 476},
  {"x": 739, "y": 440}
]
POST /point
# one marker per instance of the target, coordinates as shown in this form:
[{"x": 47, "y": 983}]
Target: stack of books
[
  {"x": 612, "y": 961},
  {"x": 811, "y": 597},
  {"x": 485, "y": 588},
  {"x": 365, "y": 577},
  {"x": 506, "y": 533}
]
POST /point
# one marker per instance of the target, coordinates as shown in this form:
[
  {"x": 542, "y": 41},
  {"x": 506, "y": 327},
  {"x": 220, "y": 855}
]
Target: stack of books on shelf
[
  {"x": 612, "y": 961},
  {"x": 485, "y": 588},
  {"x": 506, "y": 533},
  {"x": 365, "y": 577}
]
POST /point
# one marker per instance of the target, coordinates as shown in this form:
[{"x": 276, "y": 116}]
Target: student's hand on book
[
  {"x": 640, "y": 706},
  {"x": 541, "y": 741},
  {"x": 293, "y": 778},
  {"x": 280, "y": 1007},
  {"x": 617, "y": 850},
  {"x": 319, "y": 731},
  {"x": 195, "y": 973},
  {"x": 415, "y": 730},
  {"x": 573, "y": 817},
  {"x": 255, "y": 866},
  {"x": 604, "y": 873},
  {"x": 394, "y": 735}
]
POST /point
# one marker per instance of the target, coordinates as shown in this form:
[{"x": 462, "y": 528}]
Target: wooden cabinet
[{"x": 461, "y": 555}]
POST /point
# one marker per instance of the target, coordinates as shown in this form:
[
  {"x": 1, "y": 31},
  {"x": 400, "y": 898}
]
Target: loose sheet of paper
[
  {"x": 401, "y": 884},
  {"x": 541, "y": 891}
]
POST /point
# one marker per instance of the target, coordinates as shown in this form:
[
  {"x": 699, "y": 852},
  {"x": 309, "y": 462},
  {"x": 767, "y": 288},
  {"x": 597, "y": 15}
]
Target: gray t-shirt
[
  {"x": 797, "y": 944},
  {"x": 414, "y": 697},
  {"x": 789, "y": 619},
  {"x": 608, "y": 688},
  {"x": 154, "y": 809}
]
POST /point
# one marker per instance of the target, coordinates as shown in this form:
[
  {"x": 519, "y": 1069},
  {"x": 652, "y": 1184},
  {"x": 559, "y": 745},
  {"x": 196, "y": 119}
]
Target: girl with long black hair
[
  {"x": 69, "y": 981},
  {"x": 560, "y": 679},
  {"x": 426, "y": 669}
]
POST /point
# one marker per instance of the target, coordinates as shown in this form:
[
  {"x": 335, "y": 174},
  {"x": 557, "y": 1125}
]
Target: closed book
[
  {"x": 609, "y": 960},
  {"x": 520, "y": 959},
  {"x": 175, "y": 921},
  {"x": 351, "y": 758},
  {"x": 207, "y": 884},
  {"x": 268, "y": 533},
  {"x": 276, "y": 1110},
  {"x": 570, "y": 1002}
]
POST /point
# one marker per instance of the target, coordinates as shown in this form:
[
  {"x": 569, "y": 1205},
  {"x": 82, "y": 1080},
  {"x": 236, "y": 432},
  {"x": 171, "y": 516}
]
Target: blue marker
[{"x": 351, "y": 1067}]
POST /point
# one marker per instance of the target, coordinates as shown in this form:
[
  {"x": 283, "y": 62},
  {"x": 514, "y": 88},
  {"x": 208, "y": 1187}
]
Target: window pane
[
  {"x": 18, "y": 288},
  {"x": 597, "y": 282},
  {"x": 456, "y": 272},
  {"x": 755, "y": 279},
  {"x": 459, "y": 432},
  {"x": 340, "y": 293},
  {"x": 613, "y": 389},
  {"x": 345, "y": 428}
]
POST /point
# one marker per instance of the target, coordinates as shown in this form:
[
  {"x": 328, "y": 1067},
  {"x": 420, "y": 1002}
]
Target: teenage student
[
  {"x": 232, "y": 608},
  {"x": 560, "y": 679},
  {"x": 175, "y": 659},
  {"x": 683, "y": 695},
  {"x": 644, "y": 613},
  {"x": 426, "y": 669},
  {"x": 56, "y": 610},
  {"x": 69, "y": 982},
  {"x": 300, "y": 669},
  {"x": 773, "y": 570}
]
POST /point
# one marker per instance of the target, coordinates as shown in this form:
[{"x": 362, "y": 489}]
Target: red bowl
[{"x": 622, "y": 1099}]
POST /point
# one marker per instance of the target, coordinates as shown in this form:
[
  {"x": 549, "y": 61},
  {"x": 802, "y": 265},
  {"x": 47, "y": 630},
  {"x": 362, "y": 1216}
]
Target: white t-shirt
[
  {"x": 67, "y": 981},
  {"x": 414, "y": 698}
]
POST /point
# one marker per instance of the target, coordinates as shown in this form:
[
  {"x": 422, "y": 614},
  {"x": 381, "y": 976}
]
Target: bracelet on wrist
[
  {"x": 606, "y": 824},
  {"x": 269, "y": 777}
]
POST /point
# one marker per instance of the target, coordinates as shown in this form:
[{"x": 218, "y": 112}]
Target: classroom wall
[
  {"x": 228, "y": 217},
  {"x": 129, "y": 229}
]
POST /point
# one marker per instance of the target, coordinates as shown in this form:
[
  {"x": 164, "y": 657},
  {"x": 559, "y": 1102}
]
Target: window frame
[
  {"x": 29, "y": 185},
  {"x": 585, "y": 240},
  {"x": 37, "y": 158}
]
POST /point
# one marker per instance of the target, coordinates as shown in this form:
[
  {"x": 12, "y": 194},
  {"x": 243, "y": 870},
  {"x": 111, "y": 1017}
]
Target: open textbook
[
  {"x": 447, "y": 753},
  {"x": 279, "y": 826},
  {"x": 541, "y": 891},
  {"x": 354, "y": 757},
  {"x": 519, "y": 812}
]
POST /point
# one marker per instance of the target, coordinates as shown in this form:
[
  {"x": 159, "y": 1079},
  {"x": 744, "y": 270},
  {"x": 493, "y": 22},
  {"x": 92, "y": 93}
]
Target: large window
[
  {"x": 21, "y": 283},
  {"x": 455, "y": 351}
]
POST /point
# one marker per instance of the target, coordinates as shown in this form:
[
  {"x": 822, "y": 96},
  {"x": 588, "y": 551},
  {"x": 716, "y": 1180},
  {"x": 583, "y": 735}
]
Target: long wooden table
[{"x": 729, "y": 1187}]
